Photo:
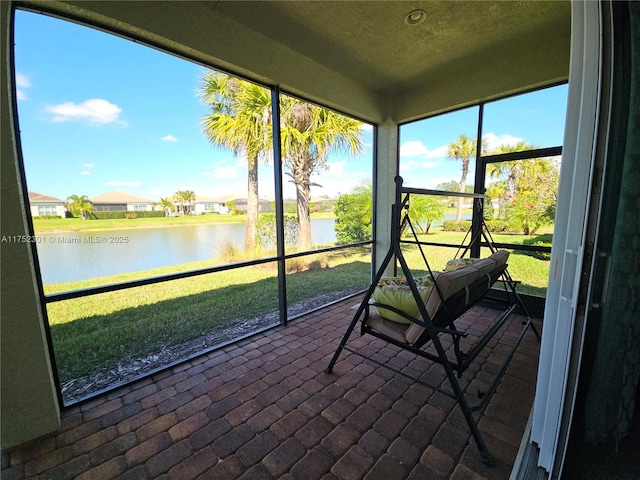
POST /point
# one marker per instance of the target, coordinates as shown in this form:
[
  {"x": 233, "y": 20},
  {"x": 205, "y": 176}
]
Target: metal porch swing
[{"x": 451, "y": 294}]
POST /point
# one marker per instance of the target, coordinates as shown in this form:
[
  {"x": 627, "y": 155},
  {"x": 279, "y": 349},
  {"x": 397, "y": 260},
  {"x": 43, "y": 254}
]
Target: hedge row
[
  {"x": 127, "y": 214},
  {"x": 494, "y": 226}
]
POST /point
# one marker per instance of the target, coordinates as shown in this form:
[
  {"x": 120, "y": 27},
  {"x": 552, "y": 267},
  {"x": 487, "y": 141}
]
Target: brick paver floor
[{"x": 263, "y": 408}]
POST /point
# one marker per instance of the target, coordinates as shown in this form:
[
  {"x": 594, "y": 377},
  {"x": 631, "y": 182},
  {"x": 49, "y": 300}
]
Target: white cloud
[
  {"x": 367, "y": 127},
  {"x": 225, "y": 171},
  {"x": 493, "y": 141},
  {"x": 85, "y": 173},
  {"x": 415, "y": 148},
  {"x": 439, "y": 152},
  {"x": 169, "y": 138},
  {"x": 120, "y": 183},
  {"x": 87, "y": 165},
  {"x": 337, "y": 168},
  {"x": 95, "y": 111},
  {"x": 22, "y": 82},
  {"x": 417, "y": 164}
]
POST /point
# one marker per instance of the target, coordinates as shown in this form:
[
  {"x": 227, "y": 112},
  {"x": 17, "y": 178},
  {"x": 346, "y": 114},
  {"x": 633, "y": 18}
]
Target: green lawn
[
  {"x": 95, "y": 331},
  {"x": 533, "y": 273}
]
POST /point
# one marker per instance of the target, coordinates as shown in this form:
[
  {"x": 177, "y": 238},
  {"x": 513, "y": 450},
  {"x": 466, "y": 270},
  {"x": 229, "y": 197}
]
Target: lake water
[{"x": 73, "y": 256}]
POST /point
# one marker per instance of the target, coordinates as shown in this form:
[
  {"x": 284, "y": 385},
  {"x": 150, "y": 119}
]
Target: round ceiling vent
[{"x": 415, "y": 17}]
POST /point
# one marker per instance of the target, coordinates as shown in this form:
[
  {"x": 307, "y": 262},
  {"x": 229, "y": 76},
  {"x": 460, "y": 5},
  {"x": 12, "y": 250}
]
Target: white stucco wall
[{"x": 28, "y": 400}]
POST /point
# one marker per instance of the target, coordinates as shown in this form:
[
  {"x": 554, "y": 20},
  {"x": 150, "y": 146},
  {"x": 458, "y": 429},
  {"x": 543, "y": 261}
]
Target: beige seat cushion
[
  {"x": 391, "y": 329},
  {"x": 449, "y": 283}
]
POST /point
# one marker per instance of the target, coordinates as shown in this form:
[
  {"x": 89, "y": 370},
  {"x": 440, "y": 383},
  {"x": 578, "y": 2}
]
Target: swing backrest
[{"x": 457, "y": 291}]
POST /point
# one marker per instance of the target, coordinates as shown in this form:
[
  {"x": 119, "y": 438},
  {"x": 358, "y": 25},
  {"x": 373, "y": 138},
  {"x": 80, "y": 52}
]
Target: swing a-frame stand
[{"x": 452, "y": 294}]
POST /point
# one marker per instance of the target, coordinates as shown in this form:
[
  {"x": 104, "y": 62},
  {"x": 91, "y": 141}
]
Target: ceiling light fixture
[{"x": 415, "y": 17}]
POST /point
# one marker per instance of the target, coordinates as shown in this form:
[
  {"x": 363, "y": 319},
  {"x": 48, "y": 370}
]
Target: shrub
[
  {"x": 353, "y": 218},
  {"x": 231, "y": 253},
  {"x": 266, "y": 231},
  {"x": 109, "y": 215},
  {"x": 326, "y": 205},
  {"x": 125, "y": 214},
  {"x": 424, "y": 211},
  {"x": 150, "y": 214},
  {"x": 456, "y": 226},
  {"x": 50, "y": 217},
  {"x": 487, "y": 207},
  {"x": 496, "y": 226}
]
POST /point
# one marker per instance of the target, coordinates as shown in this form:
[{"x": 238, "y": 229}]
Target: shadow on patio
[{"x": 264, "y": 408}]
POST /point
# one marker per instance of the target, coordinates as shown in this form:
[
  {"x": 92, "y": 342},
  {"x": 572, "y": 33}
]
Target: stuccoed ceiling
[
  {"x": 358, "y": 56},
  {"x": 369, "y": 41}
]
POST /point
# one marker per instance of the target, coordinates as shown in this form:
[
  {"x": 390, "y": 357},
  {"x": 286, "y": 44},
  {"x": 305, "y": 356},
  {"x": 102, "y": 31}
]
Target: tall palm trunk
[
  {"x": 252, "y": 205},
  {"x": 303, "y": 196},
  {"x": 511, "y": 182},
  {"x": 463, "y": 186},
  {"x": 301, "y": 167}
]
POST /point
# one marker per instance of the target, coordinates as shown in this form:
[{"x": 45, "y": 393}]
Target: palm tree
[
  {"x": 513, "y": 168},
  {"x": 464, "y": 148},
  {"x": 240, "y": 120},
  {"x": 190, "y": 198},
  {"x": 424, "y": 210},
  {"x": 184, "y": 198},
  {"x": 167, "y": 205},
  {"x": 498, "y": 190},
  {"x": 309, "y": 133},
  {"x": 178, "y": 201},
  {"x": 79, "y": 205}
]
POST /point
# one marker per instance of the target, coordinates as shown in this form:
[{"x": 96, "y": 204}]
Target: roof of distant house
[
  {"x": 116, "y": 196},
  {"x": 227, "y": 198},
  {"x": 42, "y": 198}
]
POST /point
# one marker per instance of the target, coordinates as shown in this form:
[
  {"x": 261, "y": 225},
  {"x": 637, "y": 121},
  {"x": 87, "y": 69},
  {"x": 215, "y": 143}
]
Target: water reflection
[{"x": 73, "y": 256}]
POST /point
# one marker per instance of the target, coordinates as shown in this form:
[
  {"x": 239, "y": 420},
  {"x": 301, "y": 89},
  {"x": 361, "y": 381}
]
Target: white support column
[{"x": 387, "y": 169}]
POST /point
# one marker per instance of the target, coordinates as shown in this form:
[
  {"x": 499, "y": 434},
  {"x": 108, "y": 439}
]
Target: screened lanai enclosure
[
  {"x": 182, "y": 176},
  {"x": 279, "y": 211}
]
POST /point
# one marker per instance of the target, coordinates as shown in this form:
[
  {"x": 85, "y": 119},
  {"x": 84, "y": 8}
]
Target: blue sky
[
  {"x": 111, "y": 114},
  {"x": 536, "y": 118}
]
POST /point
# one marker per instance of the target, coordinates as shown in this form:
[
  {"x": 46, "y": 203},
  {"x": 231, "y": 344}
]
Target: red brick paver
[{"x": 264, "y": 408}]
